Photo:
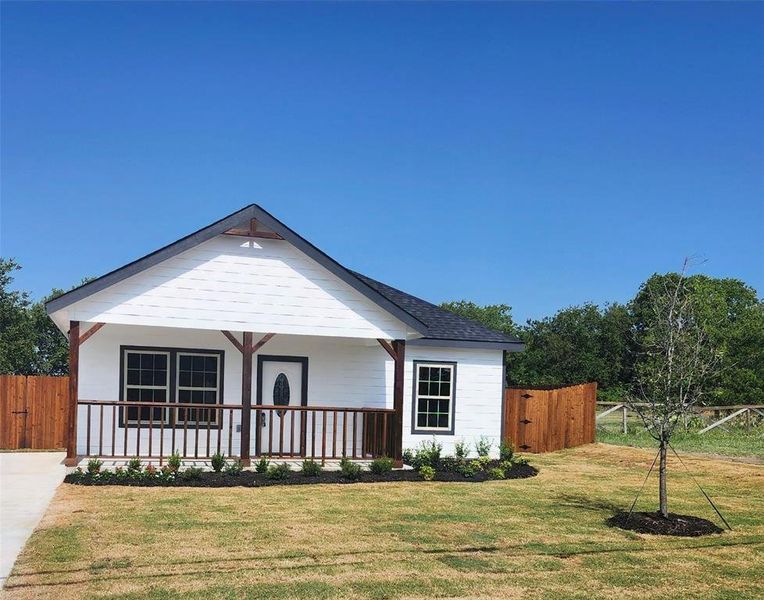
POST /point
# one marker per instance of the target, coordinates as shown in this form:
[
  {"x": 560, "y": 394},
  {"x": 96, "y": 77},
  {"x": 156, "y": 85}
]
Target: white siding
[
  {"x": 231, "y": 283},
  {"x": 478, "y": 401},
  {"x": 341, "y": 373}
]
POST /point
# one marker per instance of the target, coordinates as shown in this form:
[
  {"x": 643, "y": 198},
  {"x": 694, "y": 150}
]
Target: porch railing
[{"x": 114, "y": 429}]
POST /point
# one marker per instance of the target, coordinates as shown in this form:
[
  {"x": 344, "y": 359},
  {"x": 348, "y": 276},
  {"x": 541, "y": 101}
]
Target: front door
[{"x": 281, "y": 381}]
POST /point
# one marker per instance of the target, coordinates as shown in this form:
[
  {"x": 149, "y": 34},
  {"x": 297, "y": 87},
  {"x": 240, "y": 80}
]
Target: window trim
[
  {"x": 172, "y": 377},
  {"x": 415, "y": 397}
]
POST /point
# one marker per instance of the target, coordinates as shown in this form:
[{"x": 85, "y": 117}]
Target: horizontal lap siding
[
  {"x": 341, "y": 372},
  {"x": 479, "y": 385},
  {"x": 230, "y": 283}
]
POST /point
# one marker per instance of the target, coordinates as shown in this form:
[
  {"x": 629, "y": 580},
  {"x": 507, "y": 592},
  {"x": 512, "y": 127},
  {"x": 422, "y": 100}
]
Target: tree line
[
  {"x": 579, "y": 343},
  {"x": 604, "y": 343}
]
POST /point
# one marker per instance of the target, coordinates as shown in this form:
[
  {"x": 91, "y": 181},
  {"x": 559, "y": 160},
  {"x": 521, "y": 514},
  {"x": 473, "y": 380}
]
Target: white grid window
[
  {"x": 198, "y": 383},
  {"x": 147, "y": 379},
  {"x": 434, "y": 396}
]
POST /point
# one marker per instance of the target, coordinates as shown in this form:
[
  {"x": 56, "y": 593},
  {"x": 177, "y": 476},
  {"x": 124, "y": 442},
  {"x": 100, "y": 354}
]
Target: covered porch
[{"x": 150, "y": 391}]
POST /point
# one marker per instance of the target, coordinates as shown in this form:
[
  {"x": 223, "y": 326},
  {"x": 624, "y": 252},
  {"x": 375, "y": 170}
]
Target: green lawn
[
  {"x": 735, "y": 440},
  {"x": 543, "y": 537}
]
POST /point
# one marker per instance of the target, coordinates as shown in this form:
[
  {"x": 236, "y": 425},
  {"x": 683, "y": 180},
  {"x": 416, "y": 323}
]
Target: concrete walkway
[{"x": 27, "y": 483}]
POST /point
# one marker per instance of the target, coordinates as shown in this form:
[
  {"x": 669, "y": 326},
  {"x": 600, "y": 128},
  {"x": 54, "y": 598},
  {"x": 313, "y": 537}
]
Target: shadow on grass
[{"x": 314, "y": 561}]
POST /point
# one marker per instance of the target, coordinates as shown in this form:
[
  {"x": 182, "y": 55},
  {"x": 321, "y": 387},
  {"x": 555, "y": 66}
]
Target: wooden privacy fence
[
  {"x": 33, "y": 412},
  {"x": 548, "y": 419}
]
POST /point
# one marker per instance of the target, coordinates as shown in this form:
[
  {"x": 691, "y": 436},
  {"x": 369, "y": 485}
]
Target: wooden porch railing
[{"x": 155, "y": 429}]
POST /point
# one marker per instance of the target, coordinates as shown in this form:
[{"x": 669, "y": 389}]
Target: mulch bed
[
  {"x": 252, "y": 479},
  {"x": 654, "y": 523}
]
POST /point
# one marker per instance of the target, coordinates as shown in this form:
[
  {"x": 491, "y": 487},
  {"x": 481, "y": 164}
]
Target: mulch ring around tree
[
  {"x": 654, "y": 523},
  {"x": 249, "y": 478}
]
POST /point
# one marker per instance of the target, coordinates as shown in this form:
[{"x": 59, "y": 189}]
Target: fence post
[{"x": 625, "y": 428}]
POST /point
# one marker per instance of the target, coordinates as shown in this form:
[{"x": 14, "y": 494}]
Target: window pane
[
  {"x": 197, "y": 379},
  {"x": 435, "y": 374},
  {"x": 442, "y": 420},
  {"x": 211, "y": 363},
  {"x": 446, "y": 375},
  {"x": 132, "y": 395},
  {"x": 445, "y": 389},
  {"x": 133, "y": 377},
  {"x": 210, "y": 379},
  {"x": 160, "y": 377},
  {"x": 184, "y": 362},
  {"x": 421, "y": 420},
  {"x": 184, "y": 378},
  {"x": 133, "y": 360},
  {"x": 434, "y": 389},
  {"x": 160, "y": 361},
  {"x": 424, "y": 373},
  {"x": 147, "y": 361},
  {"x": 198, "y": 362}
]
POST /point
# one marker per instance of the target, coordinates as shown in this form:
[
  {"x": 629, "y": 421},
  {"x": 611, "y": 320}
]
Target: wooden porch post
[
  {"x": 246, "y": 396},
  {"x": 74, "y": 369},
  {"x": 399, "y": 346}
]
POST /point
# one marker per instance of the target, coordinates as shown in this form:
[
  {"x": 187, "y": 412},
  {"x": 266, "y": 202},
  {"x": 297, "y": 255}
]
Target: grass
[
  {"x": 735, "y": 442},
  {"x": 541, "y": 538}
]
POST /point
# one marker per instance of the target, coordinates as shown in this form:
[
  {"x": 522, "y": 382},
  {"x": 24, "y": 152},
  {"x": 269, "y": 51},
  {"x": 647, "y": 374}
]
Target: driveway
[{"x": 27, "y": 483}]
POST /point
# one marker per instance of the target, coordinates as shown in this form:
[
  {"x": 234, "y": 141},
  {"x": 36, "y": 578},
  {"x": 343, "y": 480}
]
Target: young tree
[{"x": 676, "y": 363}]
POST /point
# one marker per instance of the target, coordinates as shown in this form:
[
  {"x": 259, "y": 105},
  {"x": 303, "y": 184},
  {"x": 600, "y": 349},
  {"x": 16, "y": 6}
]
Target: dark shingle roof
[{"x": 441, "y": 324}]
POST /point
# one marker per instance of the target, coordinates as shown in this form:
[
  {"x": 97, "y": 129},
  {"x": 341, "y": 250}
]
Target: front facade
[{"x": 245, "y": 339}]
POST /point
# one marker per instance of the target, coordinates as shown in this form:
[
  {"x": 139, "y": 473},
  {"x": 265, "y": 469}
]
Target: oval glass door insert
[{"x": 281, "y": 392}]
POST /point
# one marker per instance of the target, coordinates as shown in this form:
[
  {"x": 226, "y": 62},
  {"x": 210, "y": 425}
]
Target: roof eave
[{"x": 453, "y": 343}]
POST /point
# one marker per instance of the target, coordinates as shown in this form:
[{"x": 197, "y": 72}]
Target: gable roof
[
  {"x": 437, "y": 326},
  {"x": 443, "y": 326}
]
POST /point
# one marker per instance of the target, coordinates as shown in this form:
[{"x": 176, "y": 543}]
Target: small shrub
[
  {"x": 382, "y": 465},
  {"x": 481, "y": 463},
  {"x": 451, "y": 464},
  {"x": 496, "y": 473},
  {"x": 134, "y": 466},
  {"x": 427, "y": 472},
  {"x": 150, "y": 472},
  {"x": 483, "y": 446},
  {"x": 167, "y": 473},
  {"x": 76, "y": 475},
  {"x": 262, "y": 465},
  {"x": 350, "y": 470},
  {"x": 94, "y": 466},
  {"x": 506, "y": 466},
  {"x": 173, "y": 463},
  {"x": 310, "y": 468},
  {"x": 506, "y": 451},
  {"x": 192, "y": 473},
  {"x": 278, "y": 472},
  {"x": 428, "y": 454},
  {"x": 120, "y": 474},
  {"x": 461, "y": 450},
  {"x": 466, "y": 470},
  {"x": 218, "y": 462},
  {"x": 519, "y": 460},
  {"x": 408, "y": 456},
  {"x": 234, "y": 467}
]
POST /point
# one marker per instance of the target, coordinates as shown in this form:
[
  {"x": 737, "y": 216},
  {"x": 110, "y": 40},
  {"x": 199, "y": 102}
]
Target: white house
[{"x": 244, "y": 338}]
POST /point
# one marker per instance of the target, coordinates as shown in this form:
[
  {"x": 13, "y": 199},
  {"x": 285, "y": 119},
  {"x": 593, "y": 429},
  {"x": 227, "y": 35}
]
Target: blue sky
[{"x": 539, "y": 155}]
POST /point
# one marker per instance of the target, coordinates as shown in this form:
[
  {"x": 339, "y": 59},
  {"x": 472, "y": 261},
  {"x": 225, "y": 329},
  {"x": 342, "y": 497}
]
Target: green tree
[
  {"x": 732, "y": 316},
  {"x": 16, "y": 346},
  {"x": 495, "y": 316},
  {"x": 579, "y": 343},
  {"x": 51, "y": 347}
]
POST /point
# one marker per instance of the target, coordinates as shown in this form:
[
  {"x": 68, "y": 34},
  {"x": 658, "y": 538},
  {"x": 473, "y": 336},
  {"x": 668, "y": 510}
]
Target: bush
[
  {"x": 461, "y": 450},
  {"x": 451, "y": 464},
  {"x": 466, "y": 470},
  {"x": 262, "y": 465},
  {"x": 278, "y": 472},
  {"x": 94, "y": 466},
  {"x": 174, "y": 462},
  {"x": 234, "y": 468},
  {"x": 481, "y": 463},
  {"x": 120, "y": 474},
  {"x": 310, "y": 468},
  {"x": 428, "y": 454},
  {"x": 427, "y": 472},
  {"x": 483, "y": 446},
  {"x": 519, "y": 460},
  {"x": 506, "y": 451},
  {"x": 218, "y": 462},
  {"x": 350, "y": 470},
  {"x": 134, "y": 466},
  {"x": 408, "y": 456},
  {"x": 496, "y": 473},
  {"x": 150, "y": 472},
  {"x": 380, "y": 466},
  {"x": 506, "y": 466},
  {"x": 192, "y": 473}
]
